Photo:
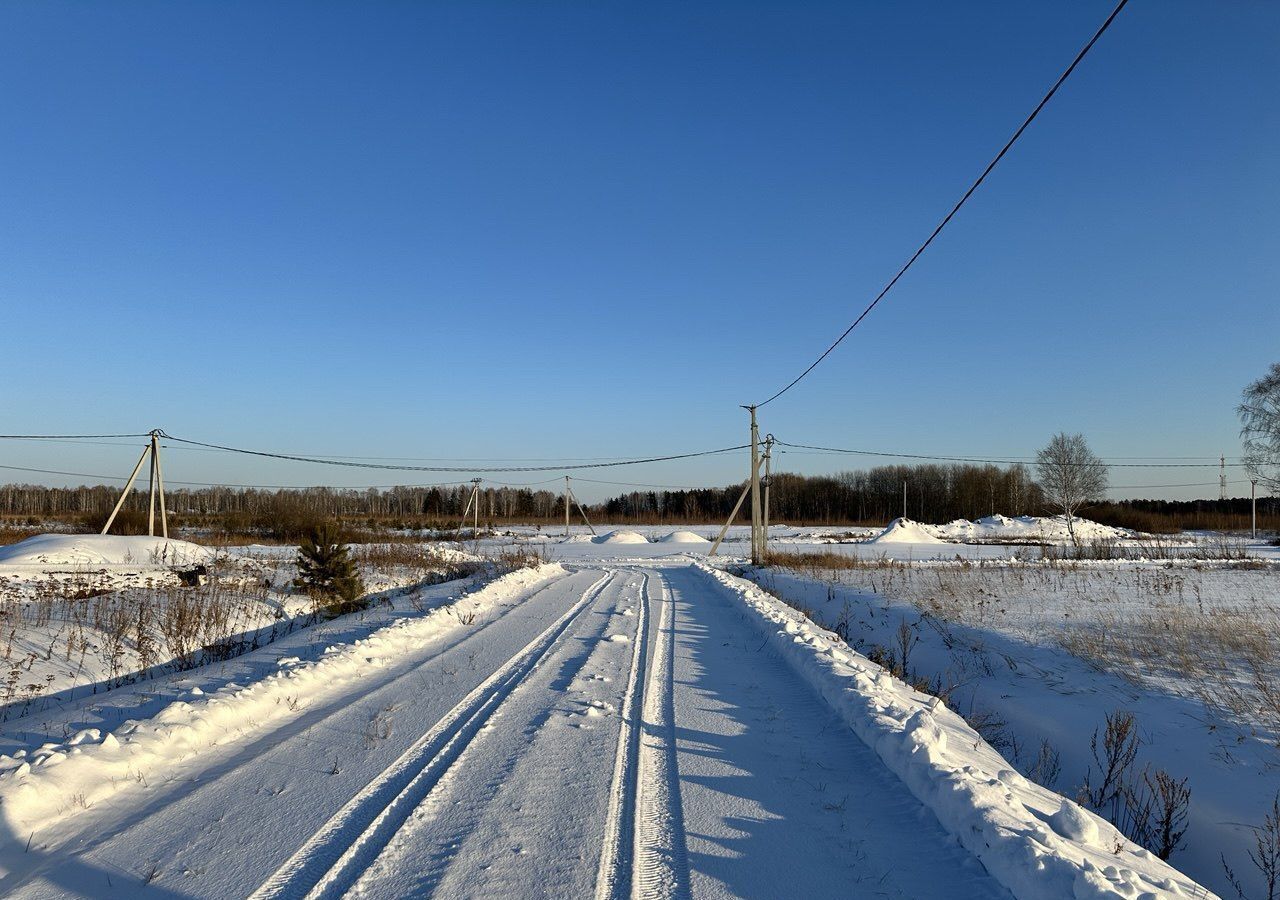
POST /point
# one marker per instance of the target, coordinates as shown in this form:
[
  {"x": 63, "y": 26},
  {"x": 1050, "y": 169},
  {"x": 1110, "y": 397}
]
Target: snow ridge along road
[{"x": 329, "y": 863}]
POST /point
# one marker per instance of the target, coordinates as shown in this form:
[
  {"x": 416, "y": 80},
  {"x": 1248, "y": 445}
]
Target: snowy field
[{"x": 717, "y": 741}]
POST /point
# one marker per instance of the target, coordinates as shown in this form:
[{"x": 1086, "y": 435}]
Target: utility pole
[
  {"x": 715, "y": 545},
  {"x": 473, "y": 500},
  {"x": 1253, "y": 497},
  {"x": 156, "y": 482},
  {"x": 904, "y": 498},
  {"x": 566, "y": 506},
  {"x": 755, "y": 488},
  {"x": 768, "y": 479},
  {"x": 1222, "y": 478}
]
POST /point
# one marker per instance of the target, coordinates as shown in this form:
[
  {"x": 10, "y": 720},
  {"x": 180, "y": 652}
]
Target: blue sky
[{"x": 579, "y": 229}]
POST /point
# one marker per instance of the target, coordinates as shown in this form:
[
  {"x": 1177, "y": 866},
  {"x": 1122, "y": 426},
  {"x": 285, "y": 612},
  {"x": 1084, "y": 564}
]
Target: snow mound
[
  {"x": 683, "y": 537},
  {"x": 578, "y": 539},
  {"x": 102, "y": 550},
  {"x": 622, "y": 537},
  {"x": 905, "y": 531},
  {"x": 1026, "y": 529}
]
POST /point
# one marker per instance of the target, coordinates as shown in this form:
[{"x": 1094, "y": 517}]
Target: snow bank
[
  {"x": 622, "y": 537},
  {"x": 40, "y": 787},
  {"x": 102, "y": 549},
  {"x": 1026, "y": 529},
  {"x": 682, "y": 537},
  {"x": 905, "y": 531},
  {"x": 1038, "y": 844}
]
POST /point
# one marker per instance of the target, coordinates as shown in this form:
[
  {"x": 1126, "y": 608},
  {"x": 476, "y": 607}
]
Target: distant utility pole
[
  {"x": 568, "y": 493},
  {"x": 156, "y": 486},
  {"x": 1253, "y": 497},
  {"x": 904, "y": 498},
  {"x": 473, "y": 507},
  {"x": 1222, "y": 478}
]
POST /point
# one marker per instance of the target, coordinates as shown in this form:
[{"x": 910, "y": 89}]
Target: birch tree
[
  {"x": 1259, "y": 412},
  {"x": 1070, "y": 475}
]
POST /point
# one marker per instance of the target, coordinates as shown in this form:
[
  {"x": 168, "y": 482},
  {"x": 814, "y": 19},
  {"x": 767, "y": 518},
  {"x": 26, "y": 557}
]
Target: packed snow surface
[
  {"x": 102, "y": 549},
  {"x": 905, "y": 531},
  {"x": 622, "y": 537},
  {"x": 683, "y": 537}
]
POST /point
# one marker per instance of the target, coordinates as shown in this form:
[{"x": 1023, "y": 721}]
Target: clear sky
[{"x": 594, "y": 229}]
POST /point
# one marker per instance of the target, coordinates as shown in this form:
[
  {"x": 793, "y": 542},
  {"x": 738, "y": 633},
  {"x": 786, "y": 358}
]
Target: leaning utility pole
[
  {"x": 755, "y": 488},
  {"x": 156, "y": 483}
]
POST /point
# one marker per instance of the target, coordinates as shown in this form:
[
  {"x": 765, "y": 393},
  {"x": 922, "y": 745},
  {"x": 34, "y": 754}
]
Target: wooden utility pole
[
  {"x": 904, "y": 498},
  {"x": 475, "y": 526},
  {"x": 566, "y": 506}
]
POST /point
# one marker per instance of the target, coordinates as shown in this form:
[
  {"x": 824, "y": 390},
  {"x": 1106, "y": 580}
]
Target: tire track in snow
[
  {"x": 661, "y": 860},
  {"x": 614, "y": 879},
  {"x": 333, "y": 858}
]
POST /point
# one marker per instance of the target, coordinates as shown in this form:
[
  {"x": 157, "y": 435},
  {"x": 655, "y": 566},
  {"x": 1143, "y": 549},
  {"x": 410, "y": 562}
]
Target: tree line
[{"x": 935, "y": 493}]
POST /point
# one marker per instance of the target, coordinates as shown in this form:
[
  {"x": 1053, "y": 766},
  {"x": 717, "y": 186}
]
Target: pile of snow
[
  {"x": 683, "y": 537},
  {"x": 1026, "y": 529},
  {"x": 102, "y": 550},
  {"x": 578, "y": 539},
  {"x": 1038, "y": 844},
  {"x": 622, "y": 537},
  {"x": 905, "y": 531}
]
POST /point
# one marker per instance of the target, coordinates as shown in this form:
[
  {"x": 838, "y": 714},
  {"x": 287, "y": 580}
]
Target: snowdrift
[
  {"x": 102, "y": 550},
  {"x": 1038, "y": 844},
  {"x": 682, "y": 537},
  {"x": 1026, "y": 529},
  {"x": 622, "y": 537},
  {"x": 905, "y": 531}
]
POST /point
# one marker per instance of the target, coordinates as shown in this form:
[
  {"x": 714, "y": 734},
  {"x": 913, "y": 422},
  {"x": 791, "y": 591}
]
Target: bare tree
[
  {"x": 1070, "y": 475},
  {"x": 1259, "y": 412}
]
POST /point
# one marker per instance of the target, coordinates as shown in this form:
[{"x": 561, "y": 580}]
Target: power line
[
  {"x": 67, "y": 437},
  {"x": 471, "y": 469},
  {"x": 967, "y": 194},
  {"x": 1004, "y": 462},
  {"x": 214, "y": 484}
]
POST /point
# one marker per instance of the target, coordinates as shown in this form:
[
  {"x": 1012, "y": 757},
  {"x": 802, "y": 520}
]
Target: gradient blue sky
[{"x": 594, "y": 229}]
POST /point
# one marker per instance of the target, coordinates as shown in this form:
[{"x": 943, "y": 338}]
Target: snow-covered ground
[
  {"x": 81, "y": 614},
  {"x": 1039, "y": 653},
  {"x": 623, "y": 721}
]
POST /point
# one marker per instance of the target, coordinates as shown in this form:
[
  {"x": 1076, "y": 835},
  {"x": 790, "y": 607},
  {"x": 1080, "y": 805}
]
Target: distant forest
[{"x": 934, "y": 493}]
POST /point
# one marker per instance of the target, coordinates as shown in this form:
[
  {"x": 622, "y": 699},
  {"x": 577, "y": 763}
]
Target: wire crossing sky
[{"x": 556, "y": 231}]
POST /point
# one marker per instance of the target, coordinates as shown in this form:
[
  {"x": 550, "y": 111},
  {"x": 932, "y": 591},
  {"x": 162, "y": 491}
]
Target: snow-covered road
[{"x": 615, "y": 730}]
